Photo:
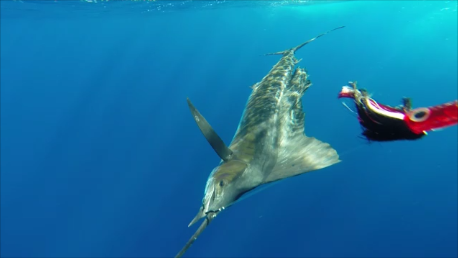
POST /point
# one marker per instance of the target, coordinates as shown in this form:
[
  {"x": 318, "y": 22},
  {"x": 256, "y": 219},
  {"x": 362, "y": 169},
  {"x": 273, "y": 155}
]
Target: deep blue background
[{"x": 101, "y": 157}]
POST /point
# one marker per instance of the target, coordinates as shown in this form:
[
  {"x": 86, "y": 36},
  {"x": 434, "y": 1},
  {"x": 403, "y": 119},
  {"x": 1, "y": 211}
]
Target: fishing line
[
  {"x": 349, "y": 109},
  {"x": 344, "y": 153}
]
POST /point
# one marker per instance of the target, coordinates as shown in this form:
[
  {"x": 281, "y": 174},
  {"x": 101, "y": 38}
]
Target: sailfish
[{"x": 270, "y": 143}]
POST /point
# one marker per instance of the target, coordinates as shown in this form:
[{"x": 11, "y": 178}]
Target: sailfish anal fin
[{"x": 212, "y": 137}]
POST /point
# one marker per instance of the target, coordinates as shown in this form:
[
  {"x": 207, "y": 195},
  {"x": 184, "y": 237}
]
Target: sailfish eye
[{"x": 221, "y": 183}]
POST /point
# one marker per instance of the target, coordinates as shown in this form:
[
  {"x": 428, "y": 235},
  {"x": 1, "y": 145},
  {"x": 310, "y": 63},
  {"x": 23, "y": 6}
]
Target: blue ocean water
[{"x": 100, "y": 156}]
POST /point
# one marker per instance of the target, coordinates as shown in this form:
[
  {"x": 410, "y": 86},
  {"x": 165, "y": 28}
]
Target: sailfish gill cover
[{"x": 100, "y": 156}]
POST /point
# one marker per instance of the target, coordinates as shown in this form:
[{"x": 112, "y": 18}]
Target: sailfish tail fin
[{"x": 294, "y": 49}]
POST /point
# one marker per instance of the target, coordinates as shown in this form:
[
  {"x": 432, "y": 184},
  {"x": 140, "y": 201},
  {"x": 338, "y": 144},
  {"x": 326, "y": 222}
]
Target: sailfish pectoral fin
[
  {"x": 212, "y": 137},
  {"x": 294, "y": 49},
  {"x": 302, "y": 154}
]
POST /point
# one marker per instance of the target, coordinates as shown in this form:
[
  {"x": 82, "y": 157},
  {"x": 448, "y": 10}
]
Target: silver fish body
[{"x": 269, "y": 144}]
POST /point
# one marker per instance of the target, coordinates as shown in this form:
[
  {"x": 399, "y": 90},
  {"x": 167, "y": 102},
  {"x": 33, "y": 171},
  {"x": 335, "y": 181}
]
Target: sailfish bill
[{"x": 269, "y": 144}]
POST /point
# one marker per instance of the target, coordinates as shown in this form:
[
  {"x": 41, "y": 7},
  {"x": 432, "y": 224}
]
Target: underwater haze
[{"x": 100, "y": 156}]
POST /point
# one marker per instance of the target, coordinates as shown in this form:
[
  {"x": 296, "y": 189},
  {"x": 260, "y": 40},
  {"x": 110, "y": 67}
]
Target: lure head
[
  {"x": 421, "y": 120},
  {"x": 222, "y": 189}
]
